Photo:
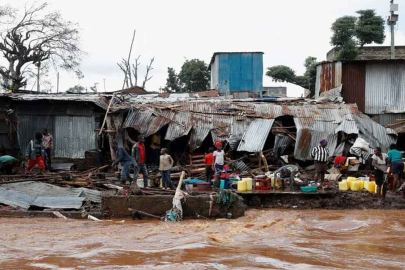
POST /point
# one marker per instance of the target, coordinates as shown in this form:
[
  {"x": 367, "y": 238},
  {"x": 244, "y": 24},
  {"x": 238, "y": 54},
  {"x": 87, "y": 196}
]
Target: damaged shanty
[
  {"x": 288, "y": 127},
  {"x": 71, "y": 118}
]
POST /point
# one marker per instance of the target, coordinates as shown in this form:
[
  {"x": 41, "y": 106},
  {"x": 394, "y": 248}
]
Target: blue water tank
[{"x": 237, "y": 71}]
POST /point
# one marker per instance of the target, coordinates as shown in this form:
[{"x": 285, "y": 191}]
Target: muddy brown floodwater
[{"x": 278, "y": 239}]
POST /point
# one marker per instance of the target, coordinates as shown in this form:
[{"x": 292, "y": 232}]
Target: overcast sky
[{"x": 171, "y": 31}]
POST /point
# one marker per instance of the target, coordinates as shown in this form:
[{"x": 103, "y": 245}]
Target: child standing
[
  {"x": 209, "y": 161},
  {"x": 219, "y": 161},
  {"x": 165, "y": 164}
]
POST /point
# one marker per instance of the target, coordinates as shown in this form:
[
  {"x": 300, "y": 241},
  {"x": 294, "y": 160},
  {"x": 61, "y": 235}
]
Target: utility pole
[
  {"x": 38, "y": 68},
  {"x": 57, "y": 83},
  {"x": 392, "y": 21},
  {"x": 104, "y": 86}
]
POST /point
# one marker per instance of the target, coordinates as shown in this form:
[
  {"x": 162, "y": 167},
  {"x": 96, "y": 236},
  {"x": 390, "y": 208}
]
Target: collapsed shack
[{"x": 188, "y": 125}]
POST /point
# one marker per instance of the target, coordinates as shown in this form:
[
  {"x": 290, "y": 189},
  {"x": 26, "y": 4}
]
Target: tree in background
[
  {"x": 286, "y": 74},
  {"x": 76, "y": 89},
  {"x": 194, "y": 76},
  {"x": 172, "y": 81},
  {"x": 369, "y": 28},
  {"x": 350, "y": 32},
  {"x": 36, "y": 37}
]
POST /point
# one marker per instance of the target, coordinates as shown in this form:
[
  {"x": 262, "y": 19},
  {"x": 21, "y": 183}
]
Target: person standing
[
  {"x": 139, "y": 158},
  {"x": 165, "y": 164},
  {"x": 125, "y": 159},
  {"x": 209, "y": 162},
  {"x": 320, "y": 154},
  {"x": 380, "y": 167},
  {"x": 219, "y": 161},
  {"x": 397, "y": 165},
  {"x": 47, "y": 138},
  {"x": 35, "y": 152}
]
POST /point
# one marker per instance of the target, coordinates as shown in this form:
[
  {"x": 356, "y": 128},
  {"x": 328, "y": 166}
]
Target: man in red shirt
[
  {"x": 209, "y": 160},
  {"x": 139, "y": 157}
]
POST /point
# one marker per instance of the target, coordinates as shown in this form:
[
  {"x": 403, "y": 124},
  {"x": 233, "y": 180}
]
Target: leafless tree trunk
[
  {"x": 148, "y": 69},
  {"x": 132, "y": 70}
]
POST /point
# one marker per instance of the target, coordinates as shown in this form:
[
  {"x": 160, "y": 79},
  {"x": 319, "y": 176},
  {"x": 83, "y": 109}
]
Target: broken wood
[{"x": 106, "y": 113}]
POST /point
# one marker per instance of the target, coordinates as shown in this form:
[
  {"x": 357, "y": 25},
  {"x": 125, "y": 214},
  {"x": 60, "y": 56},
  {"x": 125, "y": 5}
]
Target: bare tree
[
  {"x": 131, "y": 71},
  {"x": 36, "y": 37},
  {"x": 148, "y": 69}
]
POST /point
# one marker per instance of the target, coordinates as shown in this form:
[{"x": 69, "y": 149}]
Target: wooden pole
[{"x": 106, "y": 113}]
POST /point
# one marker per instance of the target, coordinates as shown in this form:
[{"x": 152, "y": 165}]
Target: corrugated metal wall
[
  {"x": 328, "y": 76},
  {"x": 214, "y": 74},
  {"x": 354, "y": 83},
  {"x": 29, "y": 124},
  {"x": 74, "y": 135},
  {"x": 239, "y": 72},
  {"x": 255, "y": 137},
  {"x": 385, "y": 87}
]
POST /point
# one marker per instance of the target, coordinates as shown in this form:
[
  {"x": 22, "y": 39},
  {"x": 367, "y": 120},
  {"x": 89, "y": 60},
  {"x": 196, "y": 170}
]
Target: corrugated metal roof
[
  {"x": 256, "y": 135},
  {"x": 59, "y": 202},
  {"x": 39, "y": 189},
  {"x": 281, "y": 142},
  {"x": 354, "y": 83},
  {"x": 15, "y": 199},
  {"x": 385, "y": 88},
  {"x": 93, "y": 98}
]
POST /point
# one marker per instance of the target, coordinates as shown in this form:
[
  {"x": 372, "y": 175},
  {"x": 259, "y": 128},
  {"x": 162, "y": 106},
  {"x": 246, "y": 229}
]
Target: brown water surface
[{"x": 275, "y": 239}]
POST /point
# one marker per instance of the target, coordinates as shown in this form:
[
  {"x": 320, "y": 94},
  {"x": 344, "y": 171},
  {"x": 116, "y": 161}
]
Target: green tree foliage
[
  {"x": 286, "y": 74},
  {"x": 172, "y": 81},
  {"x": 343, "y": 30},
  {"x": 369, "y": 28},
  {"x": 76, "y": 89},
  {"x": 194, "y": 76},
  {"x": 281, "y": 74},
  {"x": 350, "y": 32}
]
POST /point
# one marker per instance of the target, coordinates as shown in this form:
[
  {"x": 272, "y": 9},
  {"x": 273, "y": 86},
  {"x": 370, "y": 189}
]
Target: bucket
[
  {"x": 350, "y": 180},
  {"x": 241, "y": 186},
  {"x": 343, "y": 185},
  {"x": 189, "y": 188},
  {"x": 249, "y": 183},
  {"x": 355, "y": 185},
  {"x": 361, "y": 184},
  {"x": 366, "y": 184},
  {"x": 371, "y": 187},
  {"x": 139, "y": 182}
]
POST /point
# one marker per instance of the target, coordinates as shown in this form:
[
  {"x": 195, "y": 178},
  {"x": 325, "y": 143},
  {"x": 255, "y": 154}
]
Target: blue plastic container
[{"x": 224, "y": 184}]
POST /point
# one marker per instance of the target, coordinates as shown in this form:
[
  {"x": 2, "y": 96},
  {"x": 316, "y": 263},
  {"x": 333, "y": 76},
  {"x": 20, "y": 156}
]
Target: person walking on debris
[
  {"x": 397, "y": 165},
  {"x": 320, "y": 154},
  {"x": 139, "y": 158},
  {"x": 165, "y": 164},
  {"x": 380, "y": 167},
  {"x": 48, "y": 144},
  {"x": 125, "y": 159},
  {"x": 209, "y": 162},
  {"x": 35, "y": 152},
  {"x": 219, "y": 161}
]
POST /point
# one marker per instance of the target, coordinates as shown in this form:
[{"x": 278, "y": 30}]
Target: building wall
[
  {"x": 74, "y": 135},
  {"x": 72, "y": 124},
  {"x": 237, "y": 72},
  {"x": 373, "y": 53},
  {"x": 385, "y": 87}
]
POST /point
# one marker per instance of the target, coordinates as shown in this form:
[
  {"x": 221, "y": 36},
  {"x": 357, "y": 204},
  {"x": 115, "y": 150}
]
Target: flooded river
[{"x": 277, "y": 239}]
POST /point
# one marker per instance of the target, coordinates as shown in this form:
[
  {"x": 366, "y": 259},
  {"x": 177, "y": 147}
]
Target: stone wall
[
  {"x": 117, "y": 206},
  {"x": 373, "y": 53}
]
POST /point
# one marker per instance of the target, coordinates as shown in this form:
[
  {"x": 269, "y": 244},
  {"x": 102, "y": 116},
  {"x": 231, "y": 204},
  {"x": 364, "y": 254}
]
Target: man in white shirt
[
  {"x": 218, "y": 165},
  {"x": 380, "y": 167}
]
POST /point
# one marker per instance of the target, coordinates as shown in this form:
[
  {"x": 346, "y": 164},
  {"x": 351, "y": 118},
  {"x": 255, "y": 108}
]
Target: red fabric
[
  {"x": 340, "y": 160},
  {"x": 141, "y": 153},
  {"x": 209, "y": 159},
  {"x": 39, "y": 160},
  {"x": 218, "y": 144}
]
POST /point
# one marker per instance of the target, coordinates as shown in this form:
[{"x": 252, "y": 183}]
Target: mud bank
[
  {"x": 332, "y": 200},
  {"x": 117, "y": 206}
]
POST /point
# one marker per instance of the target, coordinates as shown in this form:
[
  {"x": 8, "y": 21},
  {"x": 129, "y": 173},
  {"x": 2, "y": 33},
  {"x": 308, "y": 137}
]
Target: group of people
[
  {"x": 383, "y": 163},
  {"x": 214, "y": 163},
  {"x": 138, "y": 159}
]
